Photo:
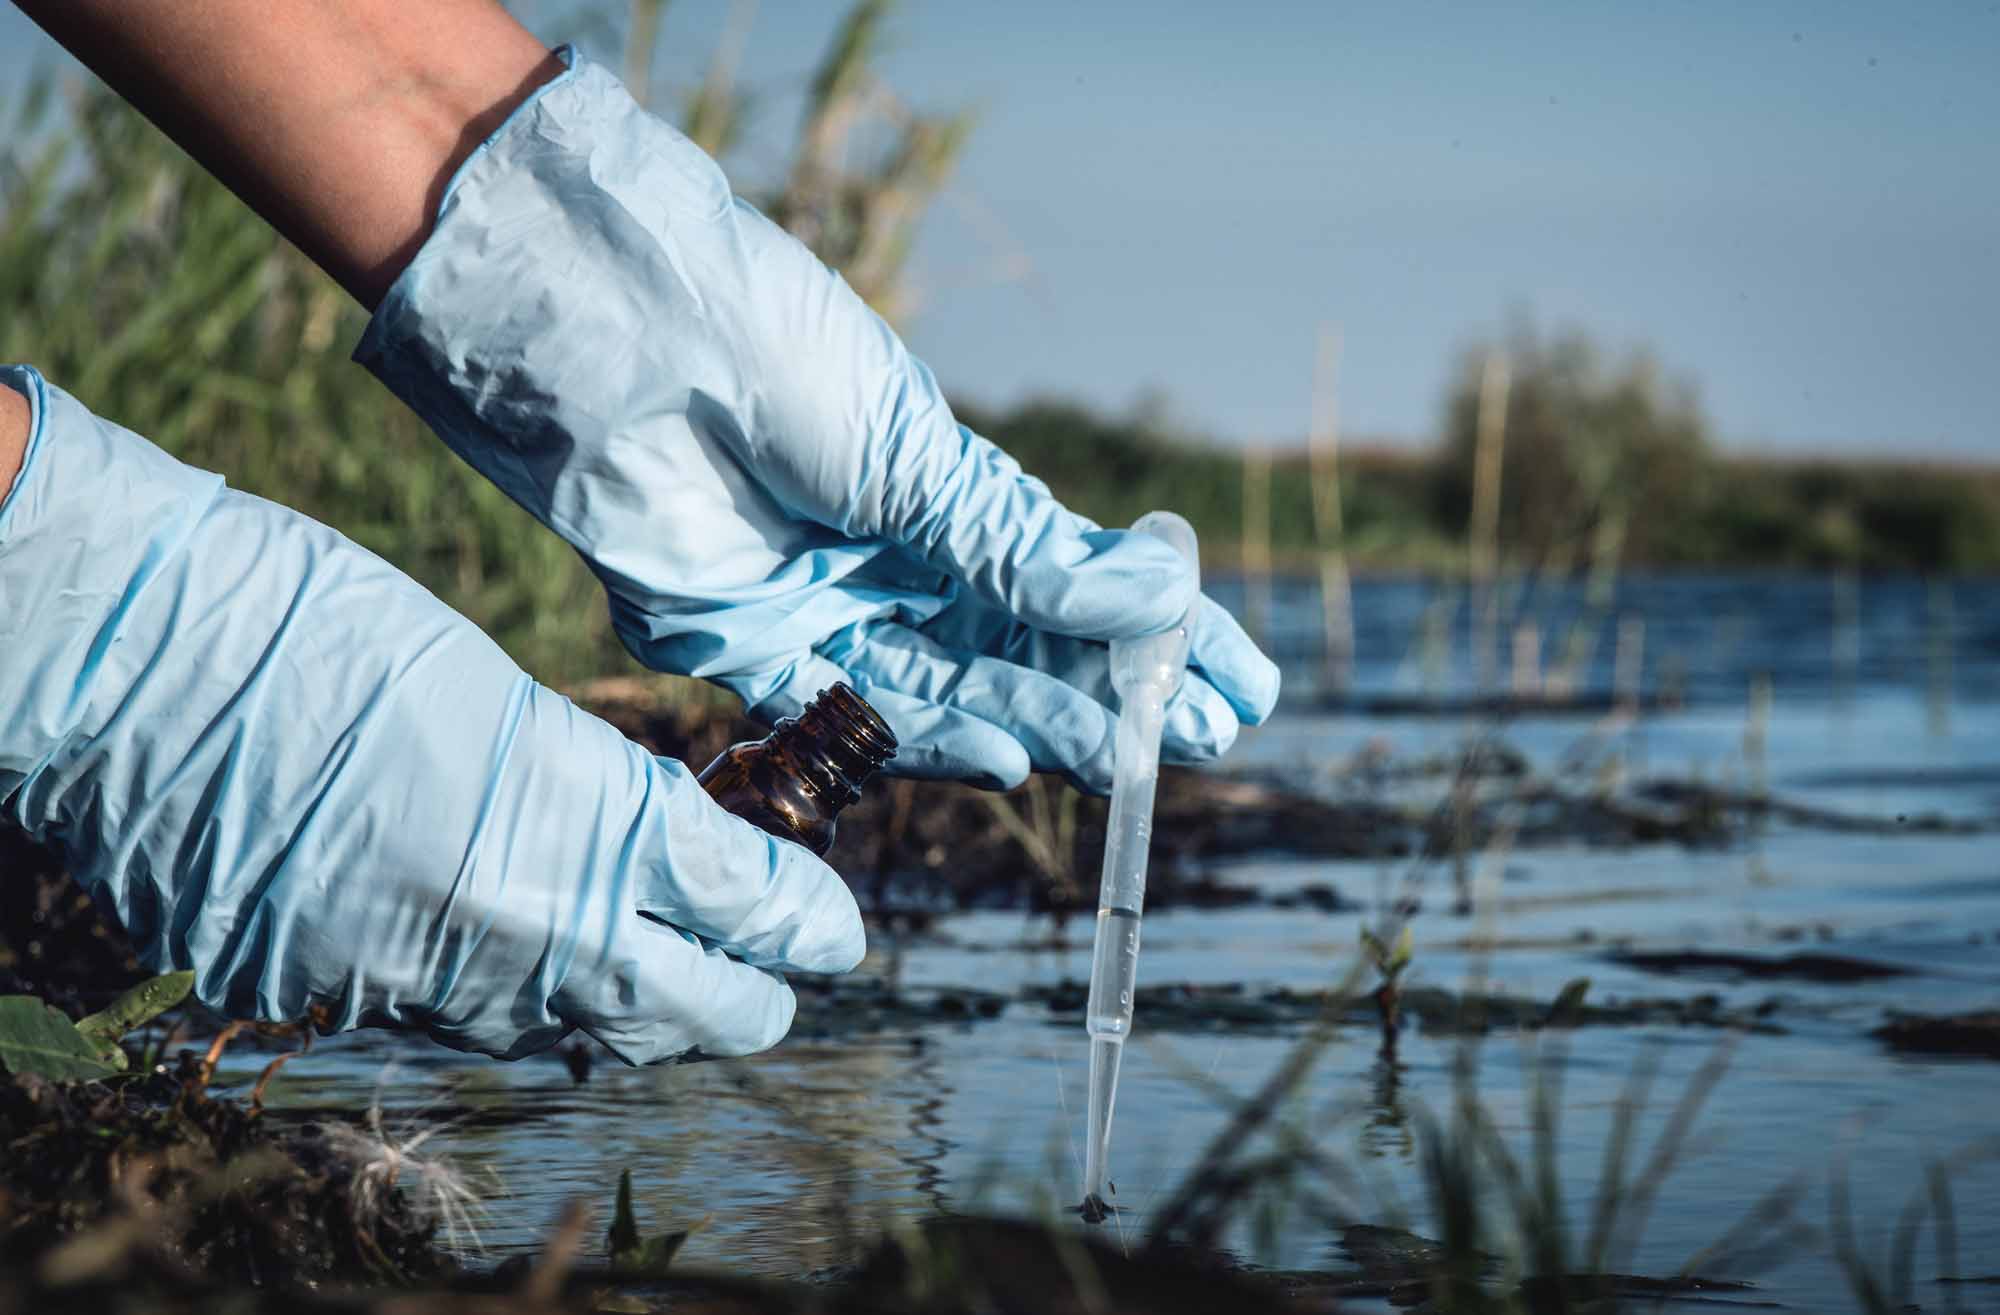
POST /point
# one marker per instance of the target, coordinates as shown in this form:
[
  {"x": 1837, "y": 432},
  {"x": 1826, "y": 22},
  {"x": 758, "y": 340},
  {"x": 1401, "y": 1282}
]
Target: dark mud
[
  {"x": 53, "y": 941},
  {"x": 95, "y": 1173},
  {"x": 1943, "y": 1034},
  {"x": 917, "y": 850},
  {"x": 1235, "y": 1008},
  {"x": 1823, "y": 968},
  {"x": 1405, "y": 1268},
  {"x": 1583, "y": 703},
  {"x": 849, "y": 1006},
  {"x": 931, "y": 848},
  {"x": 1757, "y": 807}
]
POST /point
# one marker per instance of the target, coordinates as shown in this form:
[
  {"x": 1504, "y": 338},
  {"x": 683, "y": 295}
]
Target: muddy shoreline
[{"x": 914, "y": 848}]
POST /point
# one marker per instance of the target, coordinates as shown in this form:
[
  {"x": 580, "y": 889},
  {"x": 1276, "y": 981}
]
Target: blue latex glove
[
  {"x": 286, "y": 766},
  {"x": 770, "y": 487}
]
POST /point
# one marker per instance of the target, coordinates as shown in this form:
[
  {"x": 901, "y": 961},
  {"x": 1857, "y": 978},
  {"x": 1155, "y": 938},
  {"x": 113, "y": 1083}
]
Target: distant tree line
[{"x": 1602, "y": 459}]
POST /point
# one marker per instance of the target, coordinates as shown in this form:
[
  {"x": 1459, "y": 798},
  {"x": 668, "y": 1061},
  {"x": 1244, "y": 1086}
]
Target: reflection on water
[
  {"x": 1388, "y": 1127},
  {"x": 791, "y": 1155}
]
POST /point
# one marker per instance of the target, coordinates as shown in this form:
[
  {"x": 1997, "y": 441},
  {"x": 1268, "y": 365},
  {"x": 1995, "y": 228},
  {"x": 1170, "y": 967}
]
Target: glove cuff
[{"x": 583, "y": 327}]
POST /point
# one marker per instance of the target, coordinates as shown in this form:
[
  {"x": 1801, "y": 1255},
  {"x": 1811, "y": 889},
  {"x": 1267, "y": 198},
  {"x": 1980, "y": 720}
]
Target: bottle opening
[
  {"x": 860, "y": 722},
  {"x": 840, "y": 741}
]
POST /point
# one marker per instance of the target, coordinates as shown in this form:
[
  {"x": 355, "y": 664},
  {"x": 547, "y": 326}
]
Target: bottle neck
[{"x": 836, "y": 743}]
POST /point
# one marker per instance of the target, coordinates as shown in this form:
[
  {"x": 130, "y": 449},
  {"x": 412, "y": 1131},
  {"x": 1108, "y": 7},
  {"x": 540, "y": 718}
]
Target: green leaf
[
  {"x": 35, "y": 1038},
  {"x": 1406, "y": 949},
  {"x": 1390, "y": 963},
  {"x": 624, "y": 1236},
  {"x": 631, "y": 1255},
  {"x": 136, "y": 1008},
  {"x": 653, "y": 1256}
]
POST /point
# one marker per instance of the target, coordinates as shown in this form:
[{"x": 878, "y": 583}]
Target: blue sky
[{"x": 1795, "y": 205}]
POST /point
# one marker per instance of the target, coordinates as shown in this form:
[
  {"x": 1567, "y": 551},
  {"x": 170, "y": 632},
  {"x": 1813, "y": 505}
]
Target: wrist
[{"x": 15, "y": 422}]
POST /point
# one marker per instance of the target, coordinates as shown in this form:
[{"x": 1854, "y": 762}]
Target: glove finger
[
  {"x": 941, "y": 743},
  {"x": 1201, "y": 725},
  {"x": 1060, "y": 727},
  {"x": 657, "y": 992},
  {"x": 1233, "y": 663},
  {"x": 768, "y": 902},
  {"x": 933, "y": 742},
  {"x": 1202, "y": 720},
  {"x": 1218, "y": 648},
  {"x": 1006, "y": 538}
]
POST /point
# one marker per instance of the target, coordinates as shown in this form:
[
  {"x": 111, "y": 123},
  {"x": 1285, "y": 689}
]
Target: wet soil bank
[
  {"x": 99, "y": 1177},
  {"x": 1943, "y": 1034},
  {"x": 916, "y": 848},
  {"x": 846, "y": 1006},
  {"x": 193, "y": 1206},
  {"x": 53, "y": 941}
]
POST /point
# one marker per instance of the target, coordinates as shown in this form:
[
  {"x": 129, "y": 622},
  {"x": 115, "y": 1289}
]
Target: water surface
[{"x": 1885, "y": 701}]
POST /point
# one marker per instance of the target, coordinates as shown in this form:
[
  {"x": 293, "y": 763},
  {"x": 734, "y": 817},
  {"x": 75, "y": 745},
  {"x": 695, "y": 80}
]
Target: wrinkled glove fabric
[
  {"x": 773, "y": 491},
  {"x": 288, "y": 767}
]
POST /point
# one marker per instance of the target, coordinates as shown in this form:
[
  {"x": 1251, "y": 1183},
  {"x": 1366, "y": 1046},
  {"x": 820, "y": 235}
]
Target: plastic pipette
[{"x": 1145, "y": 672}]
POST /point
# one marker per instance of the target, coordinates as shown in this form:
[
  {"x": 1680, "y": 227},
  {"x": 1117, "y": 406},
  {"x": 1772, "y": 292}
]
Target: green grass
[{"x": 134, "y": 281}]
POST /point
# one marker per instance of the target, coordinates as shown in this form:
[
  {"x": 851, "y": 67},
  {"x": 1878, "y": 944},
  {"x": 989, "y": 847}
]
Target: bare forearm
[{"x": 341, "y": 123}]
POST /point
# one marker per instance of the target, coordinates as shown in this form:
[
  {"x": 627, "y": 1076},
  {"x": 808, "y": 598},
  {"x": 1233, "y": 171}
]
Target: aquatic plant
[
  {"x": 630, "y": 1252},
  {"x": 1389, "y": 964}
]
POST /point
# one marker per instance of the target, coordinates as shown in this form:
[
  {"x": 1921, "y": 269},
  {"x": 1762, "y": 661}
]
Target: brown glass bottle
[{"x": 795, "y": 781}]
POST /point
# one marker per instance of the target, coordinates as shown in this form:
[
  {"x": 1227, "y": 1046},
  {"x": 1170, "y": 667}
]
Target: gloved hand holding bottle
[{"x": 288, "y": 767}]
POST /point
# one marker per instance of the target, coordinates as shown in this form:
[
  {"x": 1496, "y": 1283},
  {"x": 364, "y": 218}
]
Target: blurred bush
[
  {"x": 1115, "y": 469},
  {"x": 135, "y": 281},
  {"x": 1605, "y": 464},
  {"x": 1593, "y": 449},
  {"x": 1872, "y": 514}
]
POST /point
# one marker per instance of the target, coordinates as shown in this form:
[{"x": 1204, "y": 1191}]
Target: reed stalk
[
  {"x": 1323, "y": 455},
  {"x": 1257, "y": 541},
  {"x": 1483, "y": 534}
]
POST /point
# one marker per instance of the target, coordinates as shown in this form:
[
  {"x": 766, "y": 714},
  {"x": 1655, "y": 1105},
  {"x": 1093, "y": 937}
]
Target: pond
[{"x": 1884, "y": 705}]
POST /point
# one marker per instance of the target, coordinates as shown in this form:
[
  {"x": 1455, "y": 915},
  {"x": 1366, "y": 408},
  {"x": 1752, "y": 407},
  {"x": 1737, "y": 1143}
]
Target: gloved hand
[
  {"x": 287, "y": 767},
  {"x": 771, "y": 488}
]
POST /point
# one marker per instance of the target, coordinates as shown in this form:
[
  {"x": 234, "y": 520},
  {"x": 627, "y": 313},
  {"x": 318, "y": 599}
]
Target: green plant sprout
[
  {"x": 634, "y": 1256},
  {"x": 1388, "y": 995}
]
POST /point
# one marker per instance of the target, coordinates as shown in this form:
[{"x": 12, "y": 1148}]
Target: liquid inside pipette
[{"x": 1146, "y": 672}]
